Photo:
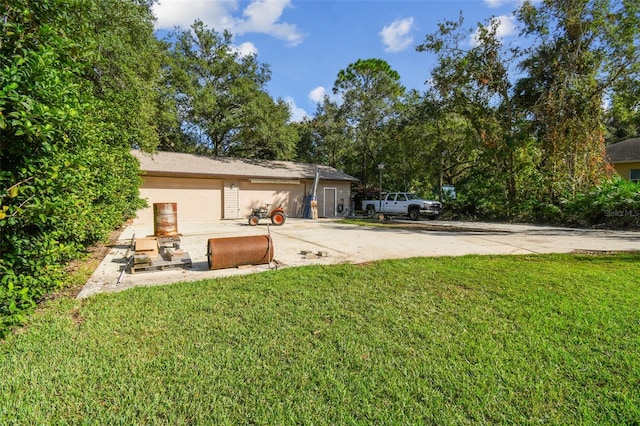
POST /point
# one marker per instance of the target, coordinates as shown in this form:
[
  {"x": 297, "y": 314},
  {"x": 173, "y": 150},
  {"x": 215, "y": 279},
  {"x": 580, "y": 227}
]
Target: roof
[
  {"x": 625, "y": 151},
  {"x": 163, "y": 163}
]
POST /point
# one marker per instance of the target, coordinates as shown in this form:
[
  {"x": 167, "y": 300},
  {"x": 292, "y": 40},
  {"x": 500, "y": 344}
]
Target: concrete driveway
[{"x": 307, "y": 242}]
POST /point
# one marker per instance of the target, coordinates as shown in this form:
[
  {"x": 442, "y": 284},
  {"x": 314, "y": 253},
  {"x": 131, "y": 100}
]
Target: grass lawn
[{"x": 551, "y": 339}]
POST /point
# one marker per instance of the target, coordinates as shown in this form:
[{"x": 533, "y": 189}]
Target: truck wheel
[
  {"x": 371, "y": 211},
  {"x": 253, "y": 220},
  {"x": 414, "y": 214}
]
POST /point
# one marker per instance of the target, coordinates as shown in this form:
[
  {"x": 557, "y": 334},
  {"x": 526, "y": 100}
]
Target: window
[
  {"x": 401, "y": 197},
  {"x": 634, "y": 175}
]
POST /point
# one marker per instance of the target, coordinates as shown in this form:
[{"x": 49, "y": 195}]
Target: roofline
[
  {"x": 227, "y": 176},
  {"x": 623, "y": 161}
]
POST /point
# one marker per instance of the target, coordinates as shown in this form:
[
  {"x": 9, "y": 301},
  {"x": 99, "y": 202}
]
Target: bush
[
  {"x": 67, "y": 178},
  {"x": 614, "y": 204}
]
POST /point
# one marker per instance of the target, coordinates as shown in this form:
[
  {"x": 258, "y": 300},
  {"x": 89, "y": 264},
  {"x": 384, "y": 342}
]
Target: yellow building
[{"x": 625, "y": 158}]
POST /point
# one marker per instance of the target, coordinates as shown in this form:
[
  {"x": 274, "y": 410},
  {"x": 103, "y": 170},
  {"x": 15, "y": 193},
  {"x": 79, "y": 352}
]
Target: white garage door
[
  {"x": 290, "y": 196},
  {"x": 198, "y": 199}
]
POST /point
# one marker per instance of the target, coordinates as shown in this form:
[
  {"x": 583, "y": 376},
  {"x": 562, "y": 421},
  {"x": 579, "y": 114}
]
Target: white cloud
[
  {"x": 396, "y": 36},
  {"x": 506, "y": 27},
  {"x": 246, "y": 49},
  {"x": 494, "y": 4},
  {"x": 297, "y": 113},
  {"x": 182, "y": 13},
  {"x": 260, "y": 16},
  {"x": 317, "y": 94}
]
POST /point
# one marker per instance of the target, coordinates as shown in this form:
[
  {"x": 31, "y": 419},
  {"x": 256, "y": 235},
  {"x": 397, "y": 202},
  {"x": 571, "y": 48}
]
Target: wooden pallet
[{"x": 160, "y": 264}]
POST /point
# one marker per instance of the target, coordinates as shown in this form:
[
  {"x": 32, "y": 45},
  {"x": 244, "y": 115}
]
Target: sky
[{"x": 307, "y": 42}]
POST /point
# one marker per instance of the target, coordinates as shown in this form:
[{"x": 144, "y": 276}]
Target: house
[
  {"x": 213, "y": 188},
  {"x": 625, "y": 158}
]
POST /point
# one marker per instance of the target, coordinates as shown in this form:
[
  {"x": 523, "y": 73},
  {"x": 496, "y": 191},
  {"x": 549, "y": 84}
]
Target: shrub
[
  {"x": 615, "y": 203},
  {"x": 67, "y": 179}
]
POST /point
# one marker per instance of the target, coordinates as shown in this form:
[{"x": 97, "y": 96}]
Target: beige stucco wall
[
  {"x": 201, "y": 199},
  {"x": 290, "y": 196},
  {"x": 327, "y": 204},
  {"x": 623, "y": 169},
  {"x": 198, "y": 199}
]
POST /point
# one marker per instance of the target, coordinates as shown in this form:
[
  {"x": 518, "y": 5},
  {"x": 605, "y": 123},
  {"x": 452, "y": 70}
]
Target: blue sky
[{"x": 307, "y": 42}]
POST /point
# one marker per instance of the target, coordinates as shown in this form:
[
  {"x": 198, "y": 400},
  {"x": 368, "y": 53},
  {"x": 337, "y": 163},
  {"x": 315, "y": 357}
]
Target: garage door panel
[
  {"x": 291, "y": 197},
  {"x": 197, "y": 199}
]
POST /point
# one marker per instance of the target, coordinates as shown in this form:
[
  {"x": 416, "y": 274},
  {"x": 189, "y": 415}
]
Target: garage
[
  {"x": 197, "y": 198},
  {"x": 215, "y": 188},
  {"x": 289, "y": 195}
]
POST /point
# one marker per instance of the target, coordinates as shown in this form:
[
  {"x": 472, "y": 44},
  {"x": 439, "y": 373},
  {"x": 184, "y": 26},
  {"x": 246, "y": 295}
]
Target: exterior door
[
  {"x": 330, "y": 202},
  {"x": 231, "y": 202},
  {"x": 401, "y": 204}
]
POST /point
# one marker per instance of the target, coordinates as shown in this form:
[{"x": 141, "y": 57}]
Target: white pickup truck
[{"x": 403, "y": 203}]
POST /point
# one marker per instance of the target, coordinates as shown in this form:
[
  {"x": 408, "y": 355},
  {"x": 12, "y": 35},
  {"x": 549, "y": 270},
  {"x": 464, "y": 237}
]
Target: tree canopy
[
  {"x": 369, "y": 91},
  {"x": 221, "y": 100}
]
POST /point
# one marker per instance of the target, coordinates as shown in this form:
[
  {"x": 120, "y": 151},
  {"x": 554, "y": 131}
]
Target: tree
[
  {"x": 265, "y": 133},
  {"x": 623, "y": 114},
  {"x": 369, "y": 90},
  {"x": 410, "y": 157},
  {"x": 221, "y": 98},
  {"x": 437, "y": 142},
  {"x": 581, "y": 50},
  {"x": 325, "y": 139},
  {"x": 125, "y": 71},
  {"x": 472, "y": 90}
]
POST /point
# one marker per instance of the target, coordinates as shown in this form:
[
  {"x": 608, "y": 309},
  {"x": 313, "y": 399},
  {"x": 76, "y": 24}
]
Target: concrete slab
[{"x": 302, "y": 242}]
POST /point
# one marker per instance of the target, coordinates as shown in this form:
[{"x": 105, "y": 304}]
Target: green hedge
[{"x": 67, "y": 179}]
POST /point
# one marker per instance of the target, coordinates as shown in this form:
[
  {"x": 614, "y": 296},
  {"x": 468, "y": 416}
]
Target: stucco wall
[
  {"x": 327, "y": 205},
  {"x": 290, "y": 196},
  {"x": 203, "y": 199},
  {"x": 198, "y": 199},
  {"x": 623, "y": 169}
]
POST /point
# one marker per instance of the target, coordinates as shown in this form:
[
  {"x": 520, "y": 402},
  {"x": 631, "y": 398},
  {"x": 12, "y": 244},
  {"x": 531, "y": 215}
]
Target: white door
[
  {"x": 399, "y": 205},
  {"x": 231, "y": 201},
  {"x": 330, "y": 202}
]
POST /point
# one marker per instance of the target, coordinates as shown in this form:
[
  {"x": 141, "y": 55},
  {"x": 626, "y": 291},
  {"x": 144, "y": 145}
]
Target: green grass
[{"x": 551, "y": 339}]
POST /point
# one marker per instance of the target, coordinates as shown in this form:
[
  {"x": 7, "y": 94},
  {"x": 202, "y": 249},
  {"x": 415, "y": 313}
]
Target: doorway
[{"x": 329, "y": 208}]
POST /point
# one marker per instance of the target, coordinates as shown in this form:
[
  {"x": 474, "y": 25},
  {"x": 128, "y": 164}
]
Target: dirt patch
[
  {"x": 79, "y": 271},
  {"x": 431, "y": 226},
  {"x": 605, "y": 252}
]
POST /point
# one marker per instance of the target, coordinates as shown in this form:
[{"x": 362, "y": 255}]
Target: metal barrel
[
  {"x": 165, "y": 219},
  {"x": 230, "y": 252}
]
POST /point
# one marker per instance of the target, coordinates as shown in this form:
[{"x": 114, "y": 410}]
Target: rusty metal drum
[
  {"x": 165, "y": 219},
  {"x": 231, "y": 252}
]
